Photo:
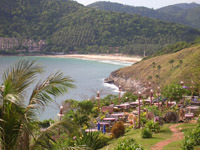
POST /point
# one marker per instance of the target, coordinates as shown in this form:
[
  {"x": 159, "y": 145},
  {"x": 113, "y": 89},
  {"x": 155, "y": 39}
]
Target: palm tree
[{"x": 16, "y": 117}]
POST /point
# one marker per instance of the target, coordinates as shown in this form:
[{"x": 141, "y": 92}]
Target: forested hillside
[
  {"x": 187, "y": 14},
  {"x": 68, "y": 26}
]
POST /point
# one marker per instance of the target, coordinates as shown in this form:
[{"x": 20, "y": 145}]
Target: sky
[{"x": 146, "y": 3}]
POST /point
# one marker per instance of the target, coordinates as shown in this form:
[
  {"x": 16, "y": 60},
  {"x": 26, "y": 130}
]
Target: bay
[{"x": 88, "y": 76}]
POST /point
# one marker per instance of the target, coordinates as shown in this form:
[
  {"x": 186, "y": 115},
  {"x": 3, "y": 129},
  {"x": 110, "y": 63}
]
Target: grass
[
  {"x": 185, "y": 128},
  {"x": 167, "y": 74},
  {"x": 157, "y": 137},
  {"x": 146, "y": 143}
]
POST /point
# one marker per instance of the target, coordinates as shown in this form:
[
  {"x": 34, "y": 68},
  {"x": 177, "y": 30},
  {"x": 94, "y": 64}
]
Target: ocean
[{"x": 88, "y": 76}]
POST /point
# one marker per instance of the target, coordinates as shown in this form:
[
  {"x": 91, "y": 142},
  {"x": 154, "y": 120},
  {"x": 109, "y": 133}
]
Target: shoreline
[
  {"x": 110, "y": 57},
  {"x": 131, "y": 59}
]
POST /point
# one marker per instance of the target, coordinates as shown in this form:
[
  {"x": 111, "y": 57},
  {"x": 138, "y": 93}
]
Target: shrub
[
  {"x": 171, "y": 117},
  {"x": 153, "y": 126},
  {"x": 128, "y": 144},
  {"x": 127, "y": 130},
  {"x": 118, "y": 129},
  {"x": 45, "y": 123},
  {"x": 93, "y": 140},
  {"x": 104, "y": 139},
  {"x": 193, "y": 139},
  {"x": 146, "y": 133},
  {"x": 188, "y": 143},
  {"x": 195, "y": 135}
]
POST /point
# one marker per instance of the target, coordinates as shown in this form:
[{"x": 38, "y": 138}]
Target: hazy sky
[{"x": 147, "y": 3}]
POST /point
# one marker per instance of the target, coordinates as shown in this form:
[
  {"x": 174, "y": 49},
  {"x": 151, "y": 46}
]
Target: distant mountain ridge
[
  {"x": 187, "y": 14},
  {"x": 184, "y": 6},
  {"x": 66, "y": 26}
]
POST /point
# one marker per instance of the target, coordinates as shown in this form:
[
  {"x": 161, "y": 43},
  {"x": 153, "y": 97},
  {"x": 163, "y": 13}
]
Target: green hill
[
  {"x": 68, "y": 26},
  {"x": 185, "y": 13},
  {"x": 160, "y": 70},
  {"x": 117, "y": 7}
]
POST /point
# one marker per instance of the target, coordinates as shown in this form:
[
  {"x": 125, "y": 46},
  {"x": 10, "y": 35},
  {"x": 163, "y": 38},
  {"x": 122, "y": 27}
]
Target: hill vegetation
[
  {"x": 186, "y": 14},
  {"x": 165, "y": 69},
  {"x": 69, "y": 27}
]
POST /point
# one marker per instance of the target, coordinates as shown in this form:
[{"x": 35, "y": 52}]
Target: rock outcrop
[{"x": 126, "y": 83}]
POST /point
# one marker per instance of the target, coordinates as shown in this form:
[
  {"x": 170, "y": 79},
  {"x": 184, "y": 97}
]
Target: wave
[
  {"x": 113, "y": 87},
  {"x": 115, "y": 62},
  {"x": 123, "y": 63}
]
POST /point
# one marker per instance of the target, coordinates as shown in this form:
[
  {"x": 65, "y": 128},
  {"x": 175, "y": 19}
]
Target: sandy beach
[{"x": 132, "y": 59}]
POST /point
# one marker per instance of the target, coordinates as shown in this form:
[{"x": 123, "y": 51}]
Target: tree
[
  {"x": 159, "y": 68},
  {"x": 180, "y": 63},
  {"x": 171, "y": 62},
  {"x": 173, "y": 92},
  {"x": 17, "y": 117},
  {"x": 153, "y": 66}
]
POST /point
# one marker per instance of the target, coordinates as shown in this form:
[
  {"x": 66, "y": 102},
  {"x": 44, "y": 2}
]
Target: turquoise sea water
[{"x": 88, "y": 76}]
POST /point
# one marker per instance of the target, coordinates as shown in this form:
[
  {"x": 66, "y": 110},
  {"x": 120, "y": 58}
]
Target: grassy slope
[
  {"x": 185, "y": 128},
  {"x": 168, "y": 74},
  {"x": 146, "y": 143}
]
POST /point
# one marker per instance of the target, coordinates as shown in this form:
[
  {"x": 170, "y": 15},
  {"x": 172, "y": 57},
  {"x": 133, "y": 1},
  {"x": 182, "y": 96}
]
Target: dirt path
[{"x": 177, "y": 135}]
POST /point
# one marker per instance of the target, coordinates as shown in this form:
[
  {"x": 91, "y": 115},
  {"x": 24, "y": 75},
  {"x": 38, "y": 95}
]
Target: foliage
[
  {"x": 153, "y": 126},
  {"x": 85, "y": 106},
  {"x": 170, "y": 49},
  {"x": 171, "y": 117},
  {"x": 79, "y": 112},
  {"x": 79, "y": 118},
  {"x": 174, "y": 92},
  {"x": 69, "y": 27},
  {"x": 143, "y": 118},
  {"x": 17, "y": 118},
  {"x": 109, "y": 99},
  {"x": 188, "y": 144},
  {"x": 198, "y": 119},
  {"x": 154, "y": 110},
  {"x": 195, "y": 72},
  {"x": 191, "y": 140},
  {"x": 146, "y": 133},
  {"x": 118, "y": 129},
  {"x": 172, "y": 13},
  {"x": 129, "y": 97},
  {"x": 93, "y": 140},
  {"x": 45, "y": 123},
  {"x": 167, "y": 75},
  {"x": 128, "y": 144}
]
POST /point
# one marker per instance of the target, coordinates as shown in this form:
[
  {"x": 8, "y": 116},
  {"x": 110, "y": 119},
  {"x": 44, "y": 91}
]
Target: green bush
[
  {"x": 195, "y": 134},
  {"x": 118, "y": 129},
  {"x": 153, "y": 126},
  {"x": 128, "y": 144},
  {"x": 188, "y": 143},
  {"x": 193, "y": 139},
  {"x": 146, "y": 133},
  {"x": 45, "y": 123},
  {"x": 93, "y": 140},
  {"x": 104, "y": 139}
]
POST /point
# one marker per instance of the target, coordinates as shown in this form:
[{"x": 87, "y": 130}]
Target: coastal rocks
[{"x": 127, "y": 84}]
